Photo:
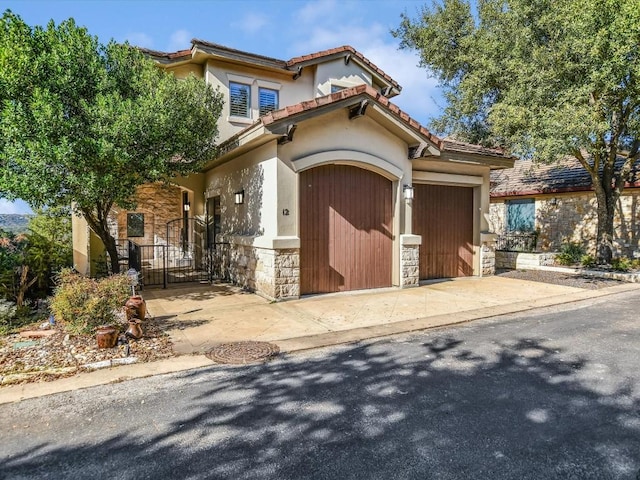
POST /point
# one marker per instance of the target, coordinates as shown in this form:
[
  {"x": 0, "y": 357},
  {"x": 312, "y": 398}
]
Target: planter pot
[
  {"x": 135, "y": 330},
  {"x": 136, "y": 308},
  {"x": 106, "y": 336}
]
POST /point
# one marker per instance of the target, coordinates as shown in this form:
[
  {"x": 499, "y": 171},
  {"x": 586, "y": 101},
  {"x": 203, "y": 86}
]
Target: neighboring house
[
  {"x": 558, "y": 202},
  {"x": 321, "y": 185}
]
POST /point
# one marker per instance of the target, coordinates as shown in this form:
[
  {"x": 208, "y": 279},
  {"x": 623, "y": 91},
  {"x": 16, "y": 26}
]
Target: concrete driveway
[{"x": 200, "y": 317}]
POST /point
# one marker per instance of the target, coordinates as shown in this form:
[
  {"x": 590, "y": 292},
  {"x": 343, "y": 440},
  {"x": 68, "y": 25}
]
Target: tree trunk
[
  {"x": 606, "y": 199},
  {"x": 98, "y": 224}
]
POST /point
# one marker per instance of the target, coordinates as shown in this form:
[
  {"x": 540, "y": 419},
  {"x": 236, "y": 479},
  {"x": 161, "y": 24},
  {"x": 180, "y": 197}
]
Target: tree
[
  {"x": 49, "y": 245},
  {"x": 543, "y": 79},
  {"x": 28, "y": 262},
  {"x": 86, "y": 123}
]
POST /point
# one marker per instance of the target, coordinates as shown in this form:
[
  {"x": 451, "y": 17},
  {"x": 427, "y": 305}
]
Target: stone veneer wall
[
  {"x": 274, "y": 274},
  {"x": 514, "y": 260},
  {"x": 410, "y": 266},
  {"x": 573, "y": 218},
  {"x": 160, "y": 204}
]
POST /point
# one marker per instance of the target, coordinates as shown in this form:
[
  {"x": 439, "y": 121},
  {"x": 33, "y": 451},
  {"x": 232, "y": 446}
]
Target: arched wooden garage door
[
  {"x": 443, "y": 215},
  {"x": 345, "y": 229}
]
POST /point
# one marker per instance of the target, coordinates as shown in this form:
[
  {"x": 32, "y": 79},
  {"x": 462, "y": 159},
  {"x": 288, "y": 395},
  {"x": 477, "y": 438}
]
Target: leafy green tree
[
  {"x": 49, "y": 245},
  {"x": 85, "y": 123},
  {"x": 28, "y": 262},
  {"x": 544, "y": 79},
  {"x": 15, "y": 277}
]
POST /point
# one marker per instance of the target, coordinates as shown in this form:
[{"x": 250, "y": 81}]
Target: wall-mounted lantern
[
  {"x": 239, "y": 197},
  {"x": 187, "y": 206},
  {"x": 407, "y": 190}
]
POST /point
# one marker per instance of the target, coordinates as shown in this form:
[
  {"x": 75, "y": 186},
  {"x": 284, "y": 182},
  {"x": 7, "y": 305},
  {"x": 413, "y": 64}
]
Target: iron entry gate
[{"x": 182, "y": 258}]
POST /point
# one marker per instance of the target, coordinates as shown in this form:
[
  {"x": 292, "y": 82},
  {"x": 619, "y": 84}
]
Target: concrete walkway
[{"x": 200, "y": 317}]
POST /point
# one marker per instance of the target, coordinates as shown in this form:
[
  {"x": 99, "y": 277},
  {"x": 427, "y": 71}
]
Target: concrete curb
[{"x": 16, "y": 393}]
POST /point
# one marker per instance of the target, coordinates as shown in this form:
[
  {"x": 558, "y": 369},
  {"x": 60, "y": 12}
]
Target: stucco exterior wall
[
  {"x": 340, "y": 74},
  {"x": 573, "y": 218},
  {"x": 218, "y": 74},
  {"x": 80, "y": 238}
]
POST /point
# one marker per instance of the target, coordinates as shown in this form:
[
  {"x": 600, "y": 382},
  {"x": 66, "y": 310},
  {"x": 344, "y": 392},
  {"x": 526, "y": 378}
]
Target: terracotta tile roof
[
  {"x": 338, "y": 50},
  {"x": 529, "y": 178},
  {"x": 345, "y": 94},
  {"x": 275, "y": 62},
  {"x": 350, "y": 93},
  {"x": 455, "y": 146},
  {"x": 167, "y": 55}
]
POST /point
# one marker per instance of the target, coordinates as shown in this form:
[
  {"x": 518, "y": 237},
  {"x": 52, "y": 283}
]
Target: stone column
[
  {"x": 488, "y": 254},
  {"x": 410, "y": 260}
]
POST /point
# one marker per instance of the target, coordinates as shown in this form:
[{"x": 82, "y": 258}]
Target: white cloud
[
  {"x": 252, "y": 22},
  {"x": 312, "y": 12},
  {"x": 420, "y": 95},
  {"x": 14, "y": 207},
  {"x": 139, "y": 39},
  {"x": 179, "y": 40}
]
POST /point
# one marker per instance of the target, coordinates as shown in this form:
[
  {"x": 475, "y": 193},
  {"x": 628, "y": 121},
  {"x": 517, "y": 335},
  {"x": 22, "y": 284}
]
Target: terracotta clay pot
[
  {"x": 136, "y": 308},
  {"x": 135, "y": 330},
  {"x": 106, "y": 336}
]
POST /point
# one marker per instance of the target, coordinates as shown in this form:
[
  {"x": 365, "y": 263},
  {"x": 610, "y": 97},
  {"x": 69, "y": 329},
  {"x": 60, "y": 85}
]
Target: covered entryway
[
  {"x": 443, "y": 216},
  {"x": 346, "y": 216}
]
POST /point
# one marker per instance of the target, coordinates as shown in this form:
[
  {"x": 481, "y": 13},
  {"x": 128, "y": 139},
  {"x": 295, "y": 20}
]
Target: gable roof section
[
  {"x": 529, "y": 178},
  {"x": 290, "y": 66},
  {"x": 276, "y": 123},
  {"x": 342, "y": 52}
]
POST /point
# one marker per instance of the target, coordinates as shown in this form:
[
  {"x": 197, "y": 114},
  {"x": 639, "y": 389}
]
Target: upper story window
[
  {"x": 521, "y": 215},
  {"x": 239, "y": 100},
  {"x": 268, "y": 100}
]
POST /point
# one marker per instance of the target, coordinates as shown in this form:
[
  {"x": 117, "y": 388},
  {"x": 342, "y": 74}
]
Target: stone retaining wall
[{"x": 516, "y": 260}]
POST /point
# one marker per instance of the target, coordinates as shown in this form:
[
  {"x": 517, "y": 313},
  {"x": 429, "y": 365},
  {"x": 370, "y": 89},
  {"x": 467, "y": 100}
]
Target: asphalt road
[{"x": 546, "y": 395}]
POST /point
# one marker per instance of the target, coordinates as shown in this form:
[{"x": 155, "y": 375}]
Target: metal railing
[{"x": 517, "y": 242}]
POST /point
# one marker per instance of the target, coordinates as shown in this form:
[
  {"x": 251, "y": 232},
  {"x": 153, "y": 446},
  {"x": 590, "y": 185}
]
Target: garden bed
[{"x": 26, "y": 359}]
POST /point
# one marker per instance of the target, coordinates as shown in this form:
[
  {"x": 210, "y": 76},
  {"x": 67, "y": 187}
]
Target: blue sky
[{"x": 277, "y": 28}]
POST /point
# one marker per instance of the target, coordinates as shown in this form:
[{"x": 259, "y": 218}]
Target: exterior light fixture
[
  {"x": 407, "y": 190},
  {"x": 239, "y": 197},
  {"x": 187, "y": 206}
]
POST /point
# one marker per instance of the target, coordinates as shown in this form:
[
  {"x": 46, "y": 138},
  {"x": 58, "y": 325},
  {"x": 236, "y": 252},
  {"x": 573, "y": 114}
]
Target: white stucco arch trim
[{"x": 349, "y": 157}]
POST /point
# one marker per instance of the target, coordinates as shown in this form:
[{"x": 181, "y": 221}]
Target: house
[
  {"x": 557, "y": 201},
  {"x": 321, "y": 184}
]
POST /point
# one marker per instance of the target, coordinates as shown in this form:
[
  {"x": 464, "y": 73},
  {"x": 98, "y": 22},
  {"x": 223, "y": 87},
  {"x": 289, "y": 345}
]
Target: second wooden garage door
[
  {"x": 345, "y": 229},
  {"x": 443, "y": 215}
]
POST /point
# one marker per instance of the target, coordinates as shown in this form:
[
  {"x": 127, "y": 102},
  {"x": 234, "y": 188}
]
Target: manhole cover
[{"x": 243, "y": 352}]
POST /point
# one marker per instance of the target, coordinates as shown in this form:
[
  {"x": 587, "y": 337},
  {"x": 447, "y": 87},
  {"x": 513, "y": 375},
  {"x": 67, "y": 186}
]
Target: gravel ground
[{"x": 558, "y": 278}]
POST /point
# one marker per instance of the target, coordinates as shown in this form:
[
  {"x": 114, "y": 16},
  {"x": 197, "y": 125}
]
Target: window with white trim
[
  {"x": 267, "y": 100},
  {"x": 239, "y": 100}
]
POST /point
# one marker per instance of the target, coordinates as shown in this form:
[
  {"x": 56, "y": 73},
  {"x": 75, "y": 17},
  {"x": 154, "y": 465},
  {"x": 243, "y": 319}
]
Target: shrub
[
  {"x": 621, "y": 264},
  {"x": 570, "y": 253},
  {"x": 7, "y": 315},
  {"x": 81, "y": 303},
  {"x": 588, "y": 261},
  {"x": 13, "y": 317}
]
